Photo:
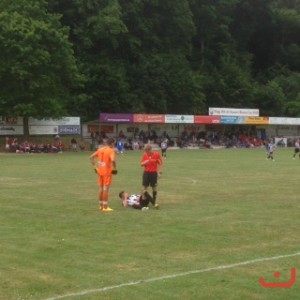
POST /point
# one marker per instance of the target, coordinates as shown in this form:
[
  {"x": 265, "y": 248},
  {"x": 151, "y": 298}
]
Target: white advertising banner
[
  {"x": 11, "y": 130},
  {"x": 179, "y": 119},
  {"x": 11, "y": 125},
  {"x": 216, "y": 111},
  {"x": 65, "y": 125},
  {"x": 284, "y": 121},
  {"x": 62, "y": 121},
  {"x": 36, "y": 130}
]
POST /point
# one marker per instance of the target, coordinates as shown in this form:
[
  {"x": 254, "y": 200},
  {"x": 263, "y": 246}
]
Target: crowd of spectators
[
  {"x": 226, "y": 139},
  {"x": 14, "y": 146},
  {"x": 138, "y": 138}
]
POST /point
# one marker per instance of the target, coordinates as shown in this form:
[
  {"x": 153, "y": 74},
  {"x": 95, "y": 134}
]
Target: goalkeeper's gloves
[
  {"x": 114, "y": 172},
  {"x": 95, "y": 170}
]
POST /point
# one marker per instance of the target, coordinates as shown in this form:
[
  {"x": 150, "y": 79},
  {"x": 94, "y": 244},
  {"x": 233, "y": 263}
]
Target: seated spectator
[
  {"x": 122, "y": 135},
  {"x": 128, "y": 145},
  {"x": 103, "y": 135},
  {"x": 82, "y": 145},
  {"x": 59, "y": 145}
]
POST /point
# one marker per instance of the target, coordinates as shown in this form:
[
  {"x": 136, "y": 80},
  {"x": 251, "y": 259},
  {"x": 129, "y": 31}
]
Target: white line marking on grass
[{"x": 224, "y": 267}]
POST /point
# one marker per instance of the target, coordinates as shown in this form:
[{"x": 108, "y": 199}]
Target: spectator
[
  {"x": 74, "y": 144},
  {"x": 7, "y": 144},
  {"x": 82, "y": 145},
  {"x": 122, "y": 135},
  {"x": 136, "y": 145},
  {"x": 120, "y": 147}
]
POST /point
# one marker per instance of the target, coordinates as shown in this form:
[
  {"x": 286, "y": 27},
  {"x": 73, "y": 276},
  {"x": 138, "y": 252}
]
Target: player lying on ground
[{"x": 137, "y": 201}]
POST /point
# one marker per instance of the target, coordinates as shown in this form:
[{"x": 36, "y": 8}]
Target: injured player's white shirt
[{"x": 133, "y": 199}]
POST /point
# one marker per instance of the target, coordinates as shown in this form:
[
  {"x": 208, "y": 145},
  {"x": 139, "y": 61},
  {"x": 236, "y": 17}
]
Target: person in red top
[
  {"x": 105, "y": 167},
  {"x": 152, "y": 163}
]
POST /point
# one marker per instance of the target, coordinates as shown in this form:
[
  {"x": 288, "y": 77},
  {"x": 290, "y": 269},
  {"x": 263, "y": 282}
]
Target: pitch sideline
[{"x": 223, "y": 267}]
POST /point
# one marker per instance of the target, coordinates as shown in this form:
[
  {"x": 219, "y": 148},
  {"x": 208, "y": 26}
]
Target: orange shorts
[{"x": 104, "y": 180}]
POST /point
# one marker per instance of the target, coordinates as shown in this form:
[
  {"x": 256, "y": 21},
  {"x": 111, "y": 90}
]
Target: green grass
[{"x": 218, "y": 207}]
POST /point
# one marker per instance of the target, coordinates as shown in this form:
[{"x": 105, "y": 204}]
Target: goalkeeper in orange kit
[{"x": 103, "y": 161}]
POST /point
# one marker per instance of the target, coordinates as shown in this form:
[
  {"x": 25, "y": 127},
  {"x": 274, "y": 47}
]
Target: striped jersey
[{"x": 132, "y": 199}]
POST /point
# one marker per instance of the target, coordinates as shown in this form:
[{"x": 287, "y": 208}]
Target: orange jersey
[{"x": 106, "y": 156}]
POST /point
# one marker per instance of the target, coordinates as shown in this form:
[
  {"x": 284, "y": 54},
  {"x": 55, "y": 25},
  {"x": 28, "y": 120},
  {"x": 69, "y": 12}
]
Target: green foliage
[
  {"x": 271, "y": 98},
  {"x": 289, "y": 84},
  {"x": 38, "y": 66},
  {"x": 148, "y": 56}
]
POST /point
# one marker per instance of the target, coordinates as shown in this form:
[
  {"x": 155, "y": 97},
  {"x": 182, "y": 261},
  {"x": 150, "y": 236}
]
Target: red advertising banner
[
  {"x": 139, "y": 118},
  {"x": 104, "y": 128},
  {"x": 107, "y": 128},
  {"x": 93, "y": 128},
  {"x": 207, "y": 119}
]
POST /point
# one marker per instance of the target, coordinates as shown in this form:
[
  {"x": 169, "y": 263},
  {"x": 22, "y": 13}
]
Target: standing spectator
[
  {"x": 297, "y": 149},
  {"x": 74, "y": 144},
  {"x": 93, "y": 141},
  {"x": 136, "y": 145},
  {"x": 7, "y": 144},
  {"x": 105, "y": 167},
  {"x": 164, "y": 147},
  {"x": 120, "y": 147},
  {"x": 152, "y": 163},
  {"x": 14, "y": 145}
]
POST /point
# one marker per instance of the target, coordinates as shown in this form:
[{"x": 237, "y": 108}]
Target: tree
[
  {"x": 287, "y": 22},
  {"x": 157, "y": 48},
  {"x": 166, "y": 56},
  {"x": 96, "y": 28},
  {"x": 38, "y": 70}
]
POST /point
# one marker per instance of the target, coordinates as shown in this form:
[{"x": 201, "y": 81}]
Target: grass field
[{"x": 226, "y": 218}]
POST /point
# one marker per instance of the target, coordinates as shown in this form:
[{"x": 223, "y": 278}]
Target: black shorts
[
  {"x": 150, "y": 179},
  {"x": 144, "y": 202},
  {"x": 297, "y": 150}
]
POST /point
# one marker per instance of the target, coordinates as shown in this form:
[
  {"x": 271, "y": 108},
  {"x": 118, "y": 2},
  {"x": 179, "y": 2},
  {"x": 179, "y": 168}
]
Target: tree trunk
[{"x": 26, "y": 128}]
